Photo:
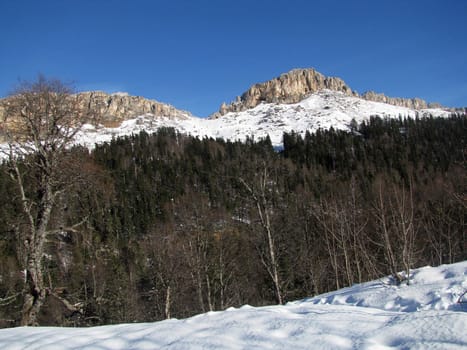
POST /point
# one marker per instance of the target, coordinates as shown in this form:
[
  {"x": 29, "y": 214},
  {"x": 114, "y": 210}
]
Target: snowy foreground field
[{"x": 374, "y": 315}]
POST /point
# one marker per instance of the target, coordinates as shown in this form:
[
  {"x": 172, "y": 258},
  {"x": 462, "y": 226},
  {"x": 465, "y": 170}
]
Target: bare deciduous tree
[
  {"x": 344, "y": 224},
  {"x": 259, "y": 194},
  {"x": 394, "y": 212},
  {"x": 40, "y": 121}
]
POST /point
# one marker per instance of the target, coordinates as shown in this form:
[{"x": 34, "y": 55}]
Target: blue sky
[{"x": 195, "y": 54}]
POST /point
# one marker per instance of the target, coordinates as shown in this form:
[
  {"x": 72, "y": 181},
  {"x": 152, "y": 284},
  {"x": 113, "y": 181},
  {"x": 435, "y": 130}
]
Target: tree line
[{"x": 170, "y": 225}]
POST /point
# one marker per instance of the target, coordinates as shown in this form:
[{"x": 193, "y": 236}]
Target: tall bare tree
[
  {"x": 39, "y": 122},
  {"x": 397, "y": 228},
  {"x": 260, "y": 194}
]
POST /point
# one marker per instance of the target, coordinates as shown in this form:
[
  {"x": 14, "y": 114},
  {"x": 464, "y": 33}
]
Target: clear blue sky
[{"x": 195, "y": 54}]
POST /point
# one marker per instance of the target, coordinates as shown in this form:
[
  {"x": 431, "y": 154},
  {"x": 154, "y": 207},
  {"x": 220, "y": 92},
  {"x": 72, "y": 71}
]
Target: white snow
[
  {"x": 120, "y": 93},
  {"x": 320, "y": 110},
  {"x": 373, "y": 315}
]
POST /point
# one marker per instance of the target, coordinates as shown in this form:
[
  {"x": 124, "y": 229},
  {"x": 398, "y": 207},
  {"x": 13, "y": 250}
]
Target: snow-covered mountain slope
[
  {"x": 320, "y": 110},
  {"x": 428, "y": 314},
  {"x": 323, "y": 109}
]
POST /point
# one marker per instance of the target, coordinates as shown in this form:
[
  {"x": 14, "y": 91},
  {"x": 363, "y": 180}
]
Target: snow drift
[{"x": 431, "y": 313}]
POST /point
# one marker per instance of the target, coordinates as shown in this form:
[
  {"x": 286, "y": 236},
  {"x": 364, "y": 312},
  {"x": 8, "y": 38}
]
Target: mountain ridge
[
  {"x": 118, "y": 107},
  {"x": 300, "y": 100},
  {"x": 297, "y": 84},
  {"x": 288, "y": 88},
  {"x": 321, "y": 110},
  {"x": 111, "y": 109}
]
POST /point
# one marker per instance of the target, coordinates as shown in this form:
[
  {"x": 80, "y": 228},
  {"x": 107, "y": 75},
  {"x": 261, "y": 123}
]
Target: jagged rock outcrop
[
  {"x": 112, "y": 109},
  {"x": 294, "y": 86},
  {"x": 290, "y": 87},
  {"x": 413, "y": 103}
]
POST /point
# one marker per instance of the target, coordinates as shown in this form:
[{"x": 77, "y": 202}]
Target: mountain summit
[
  {"x": 290, "y": 87},
  {"x": 298, "y": 84}
]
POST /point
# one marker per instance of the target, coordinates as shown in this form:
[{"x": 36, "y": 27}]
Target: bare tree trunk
[
  {"x": 389, "y": 253},
  {"x": 406, "y": 222},
  {"x": 40, "y": 121},
  {"x": 34, "y": 242},
  {"x": 397, "y": 228},
  {"x": 271, "y": 249},
  {"x": 167, "y": 302},
  {"x": 332, "y": 252},
  {"x": 276, "y": 279},
  {"x": 199, "y": 289},
  {"x": 35, "y": 294},
  {"x": 221, "y": 278},
  {"x": 209, "y": 293},
  {"x": 194, "y": 261},
  {"x": 327, "y": 220},
  {"x": 263, "y": 210},
  {"x": 310, "y": 252},
  {"x": 342, "y": 238}
]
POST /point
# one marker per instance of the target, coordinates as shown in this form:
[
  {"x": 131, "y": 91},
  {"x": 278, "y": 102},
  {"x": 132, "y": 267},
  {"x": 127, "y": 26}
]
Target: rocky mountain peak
[
  {"x": 112, "y": 109},
  {"x": 296, "y": 85},
  {"x": 290, "y": 87}
]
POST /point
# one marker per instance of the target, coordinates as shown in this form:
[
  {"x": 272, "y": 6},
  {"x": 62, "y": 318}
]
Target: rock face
[
  {"x": 413, "y": 103},
  {"x": 290, "y": 87},
  {"x": 112, "y": 109},
  {"x": 294, "y": 86}
]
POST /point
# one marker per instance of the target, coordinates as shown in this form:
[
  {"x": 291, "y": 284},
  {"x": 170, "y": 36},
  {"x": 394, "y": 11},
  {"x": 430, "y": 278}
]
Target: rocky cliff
[
  {"x": 297, "y": 84},
  {"x": 290, "y": 87},
  {"x": 112, "y": 109},
  {"x": 413, "y": 103}
]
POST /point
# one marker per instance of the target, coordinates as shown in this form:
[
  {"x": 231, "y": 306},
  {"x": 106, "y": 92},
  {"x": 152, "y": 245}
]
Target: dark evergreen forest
[{"x": 171, "y": 225}]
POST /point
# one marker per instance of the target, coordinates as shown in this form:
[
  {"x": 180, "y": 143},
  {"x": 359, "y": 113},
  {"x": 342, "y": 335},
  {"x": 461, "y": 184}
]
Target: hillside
[
  {"x": 320, "y": 110},
  {"x": 428, "y": 314},
  {"x": 164, "y": 216},
  {"x": 300, "y": 100},
  {"x": 173, "y": 226}
]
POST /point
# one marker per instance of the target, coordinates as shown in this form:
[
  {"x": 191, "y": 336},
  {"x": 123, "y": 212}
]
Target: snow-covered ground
[
  {"x": 320, "y": 110},
  {"x": 374, "y": 315}
]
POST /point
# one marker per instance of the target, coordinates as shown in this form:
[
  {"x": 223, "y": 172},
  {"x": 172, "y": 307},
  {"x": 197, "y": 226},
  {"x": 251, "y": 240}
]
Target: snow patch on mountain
[{"x": 321, "y": 110}]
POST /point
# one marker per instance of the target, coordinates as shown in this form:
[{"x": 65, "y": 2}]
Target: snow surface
[
  {"x": 320, "y": 110},
  {"x": 374, "y": 315}
]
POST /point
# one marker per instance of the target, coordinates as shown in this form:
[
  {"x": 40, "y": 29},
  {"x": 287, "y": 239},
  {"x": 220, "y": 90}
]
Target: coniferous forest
[{"x": 168, "y": 225}]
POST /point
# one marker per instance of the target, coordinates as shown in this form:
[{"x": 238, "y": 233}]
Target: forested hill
[{"x": 173, "y": 225}]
